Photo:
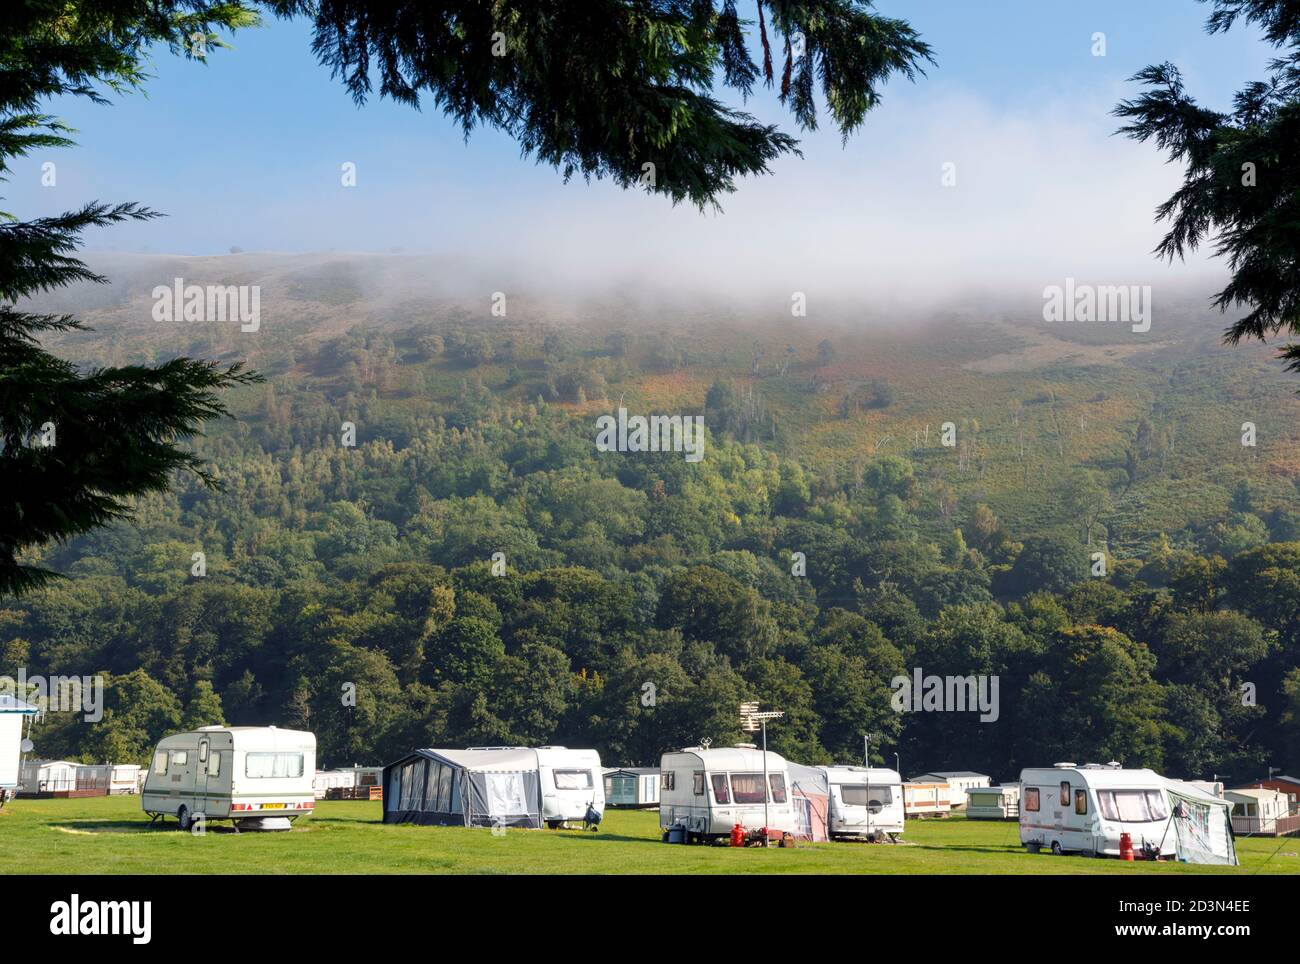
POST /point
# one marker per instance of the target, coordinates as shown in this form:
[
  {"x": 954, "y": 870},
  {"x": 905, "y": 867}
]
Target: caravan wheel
[
  {"x": 183, "y": 818},
  {"x": 1056, "y": 849}
]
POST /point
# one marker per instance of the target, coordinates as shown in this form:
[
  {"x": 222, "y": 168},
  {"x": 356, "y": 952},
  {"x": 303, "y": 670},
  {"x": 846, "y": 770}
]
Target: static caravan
[
  {"x": 258, "y": 777},
  {"x": 632, "y": 787},
  {"x": 866, "y": 803},
  {"x": 369, "y": 776},
  {"x": 92, "y": 779},
  {"x": 921, "y": 800},
  {"x": 1085, "y": 809},
  {"x": 124, "y": 778},
  {"x": 959, "y": 782},
  {"x": 326, "y": 780},
  {"x": 705, "y": 791},
  {"x": 993, "y": 803},
  {"x": 1259, "y": 810},
  {"x": 13, "y": 713},
  {"x": 48, "y": 778},
  {"x": 505, "y": 786},
  {"x": 810, "y": 795}
]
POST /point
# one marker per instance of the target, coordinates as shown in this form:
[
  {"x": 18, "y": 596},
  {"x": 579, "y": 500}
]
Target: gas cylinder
[
  {"x": 737, "y": 836},
  {"x": 1125, "y": 847}
]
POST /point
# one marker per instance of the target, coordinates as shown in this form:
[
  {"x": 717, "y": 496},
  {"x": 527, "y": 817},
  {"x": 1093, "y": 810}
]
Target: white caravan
[
  {"x": 112, "y": 778},
  {"x": 705, "y": 791},
  {"x": 1084, "y": 809},
  {"x": 259, "y": 777},
  {"x": 13, "y": 714},
  {"x": 864, "y": 802},
  {"x": 572, "y": 782}
]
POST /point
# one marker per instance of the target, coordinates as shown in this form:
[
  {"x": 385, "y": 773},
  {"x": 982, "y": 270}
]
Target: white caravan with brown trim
[
  {"x": 705, "y": 791},
  {"x": 259, "y": 777},
  {"x": 1084, "y": 809}
]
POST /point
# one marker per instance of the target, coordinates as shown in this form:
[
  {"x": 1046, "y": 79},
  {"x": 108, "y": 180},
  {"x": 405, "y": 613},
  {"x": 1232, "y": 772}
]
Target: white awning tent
[
  {"x": 470, "y": 788},
  {"x": 1201, "y": 824},
  {"x": 810, "y": 799}
]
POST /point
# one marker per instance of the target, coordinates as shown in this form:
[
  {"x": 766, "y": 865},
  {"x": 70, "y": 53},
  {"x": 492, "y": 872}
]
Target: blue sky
[{"x": 247, "y": 151}]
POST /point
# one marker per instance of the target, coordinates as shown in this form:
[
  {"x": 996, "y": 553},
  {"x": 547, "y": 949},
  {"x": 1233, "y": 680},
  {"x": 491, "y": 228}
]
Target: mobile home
[
  {"x": 705, "y": 791},
  {"x": 632, "y": 787},
  {"x": 506, "y": 786},
  {"x": 1085, "y": 809},
  {"x": 13, "y": 714},
  {"x": 258, "y": 777},
  {"x": 865, "y": 803},
  {"x": 47, "y": 778},
  {"x": 921, "y": 800},
  {"x": 993, "y": 803},
  {"x": 108, "y": 778},
  {"x": 1260, "y": 810},
  {"x": 959, "y": 782},
  {"x": 326, "y": 780}
]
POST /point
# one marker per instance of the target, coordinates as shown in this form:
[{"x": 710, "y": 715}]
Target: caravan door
[{"x": 201, "y": 779}]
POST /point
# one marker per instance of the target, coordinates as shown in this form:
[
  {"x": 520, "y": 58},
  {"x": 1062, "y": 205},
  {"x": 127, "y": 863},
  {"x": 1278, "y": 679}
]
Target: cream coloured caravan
[
  {"x": 865, "y": 803},
  {"x": 705, "y": 791},
  {"x": 1085, "y": 809},
  {"x": 258, "y": 777}
]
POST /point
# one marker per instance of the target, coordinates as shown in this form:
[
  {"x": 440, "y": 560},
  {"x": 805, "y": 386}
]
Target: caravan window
[
  {"x": 720, "y": 791},
  {"x": 1081, "y": 801},
  {"x": 856, "y": 796},
  {"x": 431, "y": 787},
  {"x": 572, "y": 779},
  {"x": 777, "y": 783},
  {"x": 747, "y": 787},
  {"x": 160, "y": 762},
  {"x": 698, "y": 784},
  {"x": 180, "y": 758},
  {"x": 1132, "y": 806},
  {"x": 444, "y": 788},
  {"x": 667, "y": 780},
  {"x": 1065, "y": 793},
  {"x": 214, "y": 763},
  {"x": 264, "y": 765},
  {"x": 1031, "y": 799}
]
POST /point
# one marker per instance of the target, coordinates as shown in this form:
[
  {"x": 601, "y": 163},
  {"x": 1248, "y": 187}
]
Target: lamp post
[{"x": 751, "y": 720}]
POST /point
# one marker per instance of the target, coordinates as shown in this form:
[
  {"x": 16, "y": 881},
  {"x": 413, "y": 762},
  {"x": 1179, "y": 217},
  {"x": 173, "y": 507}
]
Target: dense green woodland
[{"x": 643, "y": 597}]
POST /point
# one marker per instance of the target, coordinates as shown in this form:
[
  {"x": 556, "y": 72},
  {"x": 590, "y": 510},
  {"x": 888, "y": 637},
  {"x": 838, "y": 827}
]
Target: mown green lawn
[{"x": 109, "y": 835}]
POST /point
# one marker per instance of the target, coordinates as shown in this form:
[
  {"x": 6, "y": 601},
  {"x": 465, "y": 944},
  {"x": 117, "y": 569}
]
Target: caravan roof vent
[
  {"x": 552, "y": 748},
  {"x": 1064, "y": 766},
  {"x": 1115, "y": 765},
  {"x": 746, "y": 746}
]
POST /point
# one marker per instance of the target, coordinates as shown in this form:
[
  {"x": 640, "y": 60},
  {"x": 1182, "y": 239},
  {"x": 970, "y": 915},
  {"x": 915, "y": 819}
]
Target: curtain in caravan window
[
  {"x": 457, "y": 781},
  {"x": 412, "y": 785},
  {"x": 505, "y": 794},
  {"x": 444, "y": 789},
  {"x": 431, "y": 787}
]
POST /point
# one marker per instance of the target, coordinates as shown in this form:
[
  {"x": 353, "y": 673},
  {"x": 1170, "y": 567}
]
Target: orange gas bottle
[
  {"x": 1125, "y": 847},
  {"x": 737, "y": 836}
]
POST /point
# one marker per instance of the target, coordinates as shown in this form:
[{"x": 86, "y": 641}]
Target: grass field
[{"x": 110, "y": 836}]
